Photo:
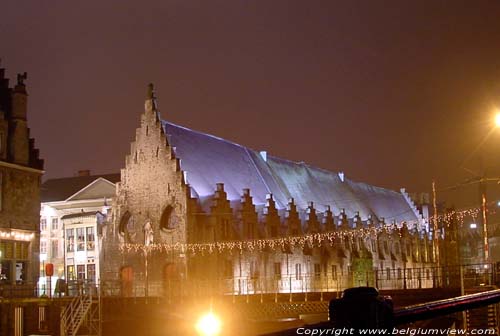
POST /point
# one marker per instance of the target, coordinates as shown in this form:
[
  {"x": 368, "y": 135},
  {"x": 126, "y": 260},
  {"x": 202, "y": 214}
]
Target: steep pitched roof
[
  {"x": 208, "y": 160},
  {"x": 60, "y": 189}
]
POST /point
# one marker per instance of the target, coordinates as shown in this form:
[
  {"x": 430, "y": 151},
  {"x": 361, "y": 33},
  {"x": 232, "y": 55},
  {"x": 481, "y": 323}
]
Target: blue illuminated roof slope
[{"x": 209, "y": 160}]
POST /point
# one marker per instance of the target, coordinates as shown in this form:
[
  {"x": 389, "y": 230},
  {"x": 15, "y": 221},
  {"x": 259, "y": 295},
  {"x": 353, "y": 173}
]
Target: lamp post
[{"x": 482, "y": 181}]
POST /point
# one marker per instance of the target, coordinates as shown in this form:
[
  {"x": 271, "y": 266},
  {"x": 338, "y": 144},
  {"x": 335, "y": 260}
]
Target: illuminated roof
[{"x": 208, "y": 160}]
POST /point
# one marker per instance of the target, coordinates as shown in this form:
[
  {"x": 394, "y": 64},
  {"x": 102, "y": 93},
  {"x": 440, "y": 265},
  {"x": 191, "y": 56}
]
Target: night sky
[{"x": 393, "y": 93}]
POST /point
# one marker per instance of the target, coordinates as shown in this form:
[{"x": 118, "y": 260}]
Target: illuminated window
[
  {"x": 298, "y": 272},
  {"x": 254, "y": 270},
  {"x": 334, "y": 272},
  {"x": 54, "y": 249},
  {"x": 80, "y": 239},
  {"x": 43, "y": 246},
  {"x": 91, "y": 272},
  {"x": 80, "y": 272},
  {"x": 43, "y": 224},
  {"x": 70, "y": 240},
  {"x": 55, "y": 223},
  {"x": 90, "y": 239},
  {"x": 317, "y": 270},
  {"x": 277, "y": 270},
  {"x": 70, "y": 272}
]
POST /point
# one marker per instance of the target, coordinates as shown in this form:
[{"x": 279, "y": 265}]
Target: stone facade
[
  {"x": 20, "y": 178},
  {"x": 162, "y": 204}
]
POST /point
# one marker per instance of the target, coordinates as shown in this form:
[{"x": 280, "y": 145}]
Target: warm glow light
[
  {"x": 473, "y": 226},
  {"x": 497, "y": 119},
  {"x": 208, "y": 325}
]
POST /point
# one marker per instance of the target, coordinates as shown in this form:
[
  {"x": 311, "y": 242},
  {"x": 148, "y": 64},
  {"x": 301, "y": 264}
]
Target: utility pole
[
  {"x": 435, "y": 235},
  {"x": 484, "y": 212}
]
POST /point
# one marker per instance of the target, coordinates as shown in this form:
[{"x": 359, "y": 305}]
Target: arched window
[
  {"x": 122, "y": 228},
  {"x": 167, "y": 220}
]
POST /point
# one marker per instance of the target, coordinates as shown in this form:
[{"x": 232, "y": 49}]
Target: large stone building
[
  {"x": 194, "y": 207},
  {"x": 72, "y": 211},
  {"x": 20, "y": 177}
]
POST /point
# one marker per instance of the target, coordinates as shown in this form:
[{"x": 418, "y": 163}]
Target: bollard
[{"x": 362, "y": 307}]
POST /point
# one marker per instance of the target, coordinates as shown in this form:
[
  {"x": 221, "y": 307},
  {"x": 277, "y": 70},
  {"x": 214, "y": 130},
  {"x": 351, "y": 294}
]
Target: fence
[{"x": 411, "y": 278}]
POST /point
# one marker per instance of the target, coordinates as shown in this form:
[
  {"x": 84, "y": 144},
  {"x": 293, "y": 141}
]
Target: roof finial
[
  {"x": 151, "y": 91},
  {"x": 21, "y": 78}
]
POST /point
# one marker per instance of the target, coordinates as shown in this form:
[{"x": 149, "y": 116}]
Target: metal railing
[
  {"x": 74, "y": 314},
  {"x": 389, "y": 279}
]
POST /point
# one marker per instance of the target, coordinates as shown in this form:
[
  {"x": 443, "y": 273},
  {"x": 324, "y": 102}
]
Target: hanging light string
[{"x": 310, "y": 240}]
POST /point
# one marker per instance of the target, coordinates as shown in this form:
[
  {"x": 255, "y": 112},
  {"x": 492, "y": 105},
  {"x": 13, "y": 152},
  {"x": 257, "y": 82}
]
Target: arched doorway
[
  {"x": 127, "y": 281},
  {"x": 171, "y": 283}
]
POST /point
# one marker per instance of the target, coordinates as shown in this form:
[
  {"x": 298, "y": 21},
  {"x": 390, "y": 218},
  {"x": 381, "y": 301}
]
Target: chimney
[{"x": 85, "y": 172}]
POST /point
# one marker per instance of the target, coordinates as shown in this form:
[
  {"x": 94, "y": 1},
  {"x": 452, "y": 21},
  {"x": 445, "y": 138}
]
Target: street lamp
[
  {"x": 482, "y": 181},
  {"x": 497, "y": 119}
]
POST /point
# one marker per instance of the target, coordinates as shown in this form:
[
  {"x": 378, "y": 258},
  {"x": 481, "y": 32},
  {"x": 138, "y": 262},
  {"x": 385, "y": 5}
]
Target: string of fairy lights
[{"x": 310, "y": 240}]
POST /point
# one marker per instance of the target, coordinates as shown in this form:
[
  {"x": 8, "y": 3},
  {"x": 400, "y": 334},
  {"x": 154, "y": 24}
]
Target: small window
[
  {"x": 55, "y": 223},
  {"x": 70, "y": 240},
  {"x": 334, "y": 272},
  {"x": 80, "y": 237},
  {"x": 90, "y": 239},
  {"x": 43, "y": 246},
  {"x": 43, "y": 224},
  {"x": 54, "y": 249},
  {"x": 317, "y": 270},
  {"x": 254, "y": 270},
  {"x": 277, "y": 270},
  {"x": 70, "y": 272},
  {"x": 298, "y": 272},
  {"x": 80, "y": 272},
  {"x": 91, "y": 272}
]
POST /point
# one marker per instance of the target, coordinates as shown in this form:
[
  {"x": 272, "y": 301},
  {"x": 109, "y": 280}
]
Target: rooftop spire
[
  {"x": 151, "y": 91},
  {"x": 151, "y": 98}
]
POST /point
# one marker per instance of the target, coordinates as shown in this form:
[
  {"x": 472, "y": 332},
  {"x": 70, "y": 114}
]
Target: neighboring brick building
[
  {"x": 180, "y": 188},
  {"x": 20, "y": 177}
]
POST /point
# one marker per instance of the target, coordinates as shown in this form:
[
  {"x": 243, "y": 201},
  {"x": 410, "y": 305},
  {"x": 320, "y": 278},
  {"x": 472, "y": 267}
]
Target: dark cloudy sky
[{"x": 394, "y": 93}]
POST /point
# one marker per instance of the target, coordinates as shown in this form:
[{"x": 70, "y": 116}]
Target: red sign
[{"x": 49, "y": 269}]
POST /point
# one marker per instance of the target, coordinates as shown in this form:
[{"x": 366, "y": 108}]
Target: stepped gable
[{"x": 208, "y": 160}]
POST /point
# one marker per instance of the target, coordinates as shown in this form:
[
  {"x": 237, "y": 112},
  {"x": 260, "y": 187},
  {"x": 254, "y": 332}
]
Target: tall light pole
[{"x": 482, "y": 181}]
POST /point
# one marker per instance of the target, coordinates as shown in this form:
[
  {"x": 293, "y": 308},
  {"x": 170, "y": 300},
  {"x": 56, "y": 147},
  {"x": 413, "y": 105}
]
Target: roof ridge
[{"x": 206, "y": 134}]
